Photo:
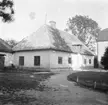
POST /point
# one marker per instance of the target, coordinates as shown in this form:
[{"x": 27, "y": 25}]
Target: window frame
[
  {"x": 90, "y": 61},
  {"x": 37, "y": 62},
  {"x": 69, "y": 60},
  {"x": 60, "y": 60},
  {"x": 21, "y": 60},
  {"x": 85, "y": 61}
]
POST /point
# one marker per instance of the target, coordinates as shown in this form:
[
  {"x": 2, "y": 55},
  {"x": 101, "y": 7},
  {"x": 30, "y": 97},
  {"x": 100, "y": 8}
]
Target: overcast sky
[{"x": 58, "y": 10}]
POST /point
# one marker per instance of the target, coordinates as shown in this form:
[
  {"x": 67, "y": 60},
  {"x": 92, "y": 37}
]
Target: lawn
[
  {"x": 14, "y": 85},
  {"x": 97, "y": 80}
]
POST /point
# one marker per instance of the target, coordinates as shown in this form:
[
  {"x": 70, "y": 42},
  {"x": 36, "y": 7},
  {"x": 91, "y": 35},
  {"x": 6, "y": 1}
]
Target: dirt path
[
  {"x": 45, "y": 89},
  {"x": 70, "y": 94}
]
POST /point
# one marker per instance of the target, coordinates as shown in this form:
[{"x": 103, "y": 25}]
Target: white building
[
  {"x": 49, "y": 48},
  {"x": 102, "y": 43}
]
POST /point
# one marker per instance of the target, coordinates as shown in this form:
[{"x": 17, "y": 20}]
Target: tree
[
  {"x": 84, "y": 28},
  {"x": 104, "y": 59},
  {"x": 6, "y": 10},
  {"x": 11, "y": 42}
]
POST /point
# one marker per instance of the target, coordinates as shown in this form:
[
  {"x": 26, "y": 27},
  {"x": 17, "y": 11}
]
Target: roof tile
[{"x": 47, "y": 37}]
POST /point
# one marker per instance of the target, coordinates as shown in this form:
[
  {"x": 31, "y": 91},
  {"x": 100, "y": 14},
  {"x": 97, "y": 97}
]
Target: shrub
[{"x": 104, "y": 59}]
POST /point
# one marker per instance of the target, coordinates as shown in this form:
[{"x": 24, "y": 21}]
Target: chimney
[{"x": 52, "y": 24}]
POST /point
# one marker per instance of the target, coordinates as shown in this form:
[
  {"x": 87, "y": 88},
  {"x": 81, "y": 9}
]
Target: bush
[{"x": 104, "y": 59}]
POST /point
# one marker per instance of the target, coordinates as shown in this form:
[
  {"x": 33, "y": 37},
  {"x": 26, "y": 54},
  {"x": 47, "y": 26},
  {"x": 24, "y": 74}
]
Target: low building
[
  {"x": 50, "y": 48},
  {"x": 5, "y": 54}
]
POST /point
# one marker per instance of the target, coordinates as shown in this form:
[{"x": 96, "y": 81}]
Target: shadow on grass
[
  {"x": 13, "y": 83},
  {"x": 87, "y": 79}
]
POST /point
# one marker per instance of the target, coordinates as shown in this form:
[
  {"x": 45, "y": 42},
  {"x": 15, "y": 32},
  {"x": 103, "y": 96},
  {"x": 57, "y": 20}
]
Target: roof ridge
[{"x": 49, "y": 36}]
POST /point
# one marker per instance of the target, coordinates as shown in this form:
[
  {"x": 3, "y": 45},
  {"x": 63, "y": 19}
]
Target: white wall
[
  {"x": 8, "y": 58},
  {"x": 49, "y": 59},
  {"x": 54, "y": 59},
  {"x": 101, "y": 49},
  {"x": 87, "y": 60},
  {"x": 29, "y": 58},
  {"x": 77, "y": 60}
]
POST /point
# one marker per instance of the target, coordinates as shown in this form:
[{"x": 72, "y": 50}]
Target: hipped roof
[{"x": 47, "y": 37}]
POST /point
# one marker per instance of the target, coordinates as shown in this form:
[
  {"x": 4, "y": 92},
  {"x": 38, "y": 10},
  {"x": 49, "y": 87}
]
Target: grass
[
  {"x": 88, "y": 78},
  {"x": 13, "y": 83}
]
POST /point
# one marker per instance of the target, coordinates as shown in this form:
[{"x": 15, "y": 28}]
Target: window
[
  {"x": 89, "y": 61},
  {"x": 59, "y": 60},
  {"x": 85, "y": 61},
  {"x": 36, "y": 60},
  {"x": 69, "y": 60},
  {"x": 21, "y": 60}
]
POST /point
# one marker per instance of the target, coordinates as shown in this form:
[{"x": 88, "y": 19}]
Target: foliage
[
  {"x": 11, "y": 42},
  {"x": 104, "y": 59},
  {"x": 59, "y": 42},
  {"x": 84, "y": 28},
  {"x": 6, "y": 10}
]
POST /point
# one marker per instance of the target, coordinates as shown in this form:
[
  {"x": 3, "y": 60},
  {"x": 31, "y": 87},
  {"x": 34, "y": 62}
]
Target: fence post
[{"x": 94, "y": 84}]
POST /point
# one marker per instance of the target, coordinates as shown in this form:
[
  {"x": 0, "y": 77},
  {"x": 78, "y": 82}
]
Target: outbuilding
[
  {"x": 50, "y": 48},
  {"x": 5, "y": 54}
]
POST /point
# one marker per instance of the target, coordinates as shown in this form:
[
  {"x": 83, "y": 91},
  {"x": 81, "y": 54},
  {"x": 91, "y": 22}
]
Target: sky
[{"x": 31, "y": 14}]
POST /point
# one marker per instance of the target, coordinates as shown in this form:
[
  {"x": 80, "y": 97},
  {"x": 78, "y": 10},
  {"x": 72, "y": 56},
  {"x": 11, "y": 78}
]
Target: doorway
[{"x": 2, "y": 61}]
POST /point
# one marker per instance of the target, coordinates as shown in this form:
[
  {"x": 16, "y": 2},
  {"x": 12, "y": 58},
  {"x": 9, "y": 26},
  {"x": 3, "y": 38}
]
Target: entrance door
[
  {"x": 1, "y": 62},
  {"x": 96, "y": 62}
]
